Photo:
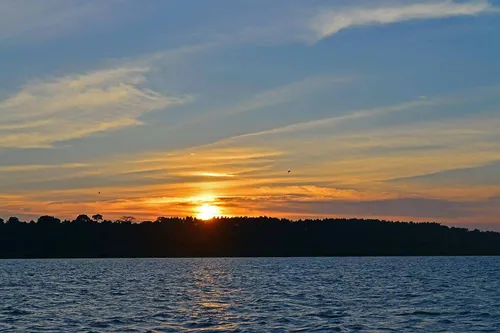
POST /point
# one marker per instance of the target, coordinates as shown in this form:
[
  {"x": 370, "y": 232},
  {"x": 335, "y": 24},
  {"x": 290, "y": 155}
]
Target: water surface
[{"x": 415, "y": 294}]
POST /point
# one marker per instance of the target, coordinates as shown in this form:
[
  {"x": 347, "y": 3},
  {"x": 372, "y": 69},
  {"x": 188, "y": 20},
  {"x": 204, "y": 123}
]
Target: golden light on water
[{"x": 207, "y": 211}]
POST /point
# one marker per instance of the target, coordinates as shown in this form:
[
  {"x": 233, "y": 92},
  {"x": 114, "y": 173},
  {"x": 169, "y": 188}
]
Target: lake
[{"x": 390, "y": 294}]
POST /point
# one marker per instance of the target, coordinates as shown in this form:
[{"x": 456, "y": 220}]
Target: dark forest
[{"x": 94, "y": 237}]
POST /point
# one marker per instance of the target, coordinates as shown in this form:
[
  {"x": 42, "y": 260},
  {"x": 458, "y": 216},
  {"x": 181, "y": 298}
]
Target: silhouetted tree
[
  {"x": 126, "y": 219},
  {"x": 238, "y": 236},
  {"x": 1, "y": 221},
  {"x": 97, "y": 218},
  {"x": 13, "y": 220},
  {"x": 46, "y": 220},
  {"x": 83, "y": 219}
]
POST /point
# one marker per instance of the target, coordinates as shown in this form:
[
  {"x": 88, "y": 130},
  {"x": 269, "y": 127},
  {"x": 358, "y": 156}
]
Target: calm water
[{"x": 251, "y": 295}]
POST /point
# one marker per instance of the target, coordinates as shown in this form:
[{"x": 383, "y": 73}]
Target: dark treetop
[{"x": 239, "y": 236}]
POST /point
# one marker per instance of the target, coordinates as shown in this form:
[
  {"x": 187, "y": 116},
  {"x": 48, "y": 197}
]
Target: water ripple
[{"x": 251, "y": 295}]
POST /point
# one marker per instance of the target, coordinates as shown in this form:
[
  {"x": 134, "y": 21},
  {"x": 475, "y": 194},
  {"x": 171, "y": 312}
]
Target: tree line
[{"x": 95, "y": 237}]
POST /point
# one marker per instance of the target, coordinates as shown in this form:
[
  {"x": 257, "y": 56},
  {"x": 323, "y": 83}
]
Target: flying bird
[{"x": 289, "y": 171}]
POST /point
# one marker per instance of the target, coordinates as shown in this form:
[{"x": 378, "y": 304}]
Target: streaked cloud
[
  {"x": 145, "y": 185},
  {"x": 417, "y": 208},
  {"x": 38, "y": 167},
  {"x": 332, "y": 21},
  {"x": 113, "y": 175},
  {"x": 341, "y": 119},
  {"x": 74, "y": 106},
  {"x": 475, "y": 124},
  {"x": 355, "y": 152},
  {"x": 482, "y": 175},
  {"x": 274, "y": 97}
]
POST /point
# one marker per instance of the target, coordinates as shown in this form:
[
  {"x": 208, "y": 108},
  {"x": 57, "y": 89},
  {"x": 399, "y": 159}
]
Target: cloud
[
  {"x": 340, "y": 119},
  {"x": 148, "y": 185},
  {"x": 352, "y": 126},
  {"x": 277, "y": 96},
  {"x": 287, "y": 93},
  {"x": 331, "y": 21},
  {"x": 165, "y": 58},
  {"x": 41, "y": 20},
  {"x": 314, "y": 192},
  {"x": 74, "y": 106},
  {"x": 405, "y": 208},
  {"x": 237, "y": 167},
  {"x": 37, "y": 167},
  {"x": 363, "y": 149},
  {"x": 477, "y": 176}
]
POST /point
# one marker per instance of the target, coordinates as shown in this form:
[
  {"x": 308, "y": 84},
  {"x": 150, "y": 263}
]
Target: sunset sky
[{"x": 385, "y": 109}]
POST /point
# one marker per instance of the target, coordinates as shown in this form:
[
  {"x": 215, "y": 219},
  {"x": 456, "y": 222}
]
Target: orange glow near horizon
[{"x": 206, "y": 212}]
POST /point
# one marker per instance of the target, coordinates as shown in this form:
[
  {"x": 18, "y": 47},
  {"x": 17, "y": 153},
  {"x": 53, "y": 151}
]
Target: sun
[{"x": 206, "y": 212}]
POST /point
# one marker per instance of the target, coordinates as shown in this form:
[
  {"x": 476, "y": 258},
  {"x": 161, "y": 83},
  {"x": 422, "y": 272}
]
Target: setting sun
[{"x": 206, "y": 212}]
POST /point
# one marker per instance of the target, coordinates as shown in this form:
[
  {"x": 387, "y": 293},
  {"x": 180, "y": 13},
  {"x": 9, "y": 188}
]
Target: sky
[{"x": 379, "y": 108}]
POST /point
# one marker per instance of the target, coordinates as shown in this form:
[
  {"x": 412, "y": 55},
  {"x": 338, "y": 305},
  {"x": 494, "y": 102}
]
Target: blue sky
[{"x": 386, "y": 109}]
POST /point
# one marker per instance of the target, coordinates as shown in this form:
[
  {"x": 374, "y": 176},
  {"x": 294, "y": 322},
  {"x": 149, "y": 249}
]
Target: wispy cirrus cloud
[
  {"x": 343, "y": 120},
  {"x": 277, "y": 96},
  {"x": 37, "y": 167},
  {"x": 363, "y": 149},
  {"x": 148, "y": 185},
  {"x": 332, "y": 21},
  {"x": 113, "y": 175},
  {"x": 476, "y": 176},
  {"x": 74, "y": 106}
]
